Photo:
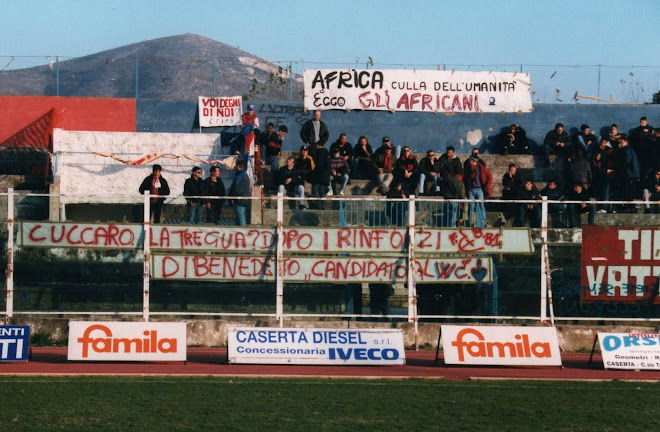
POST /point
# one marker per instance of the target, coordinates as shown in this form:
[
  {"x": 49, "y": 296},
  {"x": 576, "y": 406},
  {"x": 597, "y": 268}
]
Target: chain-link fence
[{"x": 172, "y": 78}]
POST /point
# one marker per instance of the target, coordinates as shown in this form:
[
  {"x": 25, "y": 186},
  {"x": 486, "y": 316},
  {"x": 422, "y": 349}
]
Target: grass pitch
[{"x": 224, "y": 404}]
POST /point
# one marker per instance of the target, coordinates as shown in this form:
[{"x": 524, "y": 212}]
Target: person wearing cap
[
  {"x": 156, "y": 185},
  {"x": 193, "y": 190},
  {"x": 304, "y": 162},
  {"x": 250, "y": 131},
  {"x": 362, "y": 154},
  {"x": 314, "y": 131},
  {"x": 642, "y": 140},
  {"x": 627, "y": 173},
  {"x": 585, "y": 140},
  {"x": 557, "y": 142},
  {"x": 396, "y": 150},
  {"x": 406, "y": 171},
  {"x": 475, "y": 152},
  {"x": 384, "y": 163},
  {"x": 339, "y": 170},
  {"x": 478, "y": 182}
]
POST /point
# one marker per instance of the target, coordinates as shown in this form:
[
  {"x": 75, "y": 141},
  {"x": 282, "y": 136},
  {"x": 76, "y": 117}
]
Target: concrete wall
[
  {"x": 420, "y": 131},
  {"x": 73, "y": 113}
]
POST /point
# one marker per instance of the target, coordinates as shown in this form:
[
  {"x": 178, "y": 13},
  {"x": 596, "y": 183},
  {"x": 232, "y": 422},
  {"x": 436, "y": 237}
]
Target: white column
[
  {"x": 544, "y": 258},
  {"x": 10, "y": 256},
  {"x": 147, "y": 256},
  {"x": 279, "y": 281}
]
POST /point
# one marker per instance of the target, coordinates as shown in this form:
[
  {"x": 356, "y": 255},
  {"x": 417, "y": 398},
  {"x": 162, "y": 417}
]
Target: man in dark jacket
[
  {"x": 274, "y": 148},
  {"x": 512, "y": 184},
  {"x": 362, "y": 163},
  {"x": 429, "y": 172},
  {"x": 193, "y": 189},
  {"x": 291, "y": 182},
  {"x": 642, "y": 141},
  {"x": 514, "y": 141},
  {"x": 529, "y": 211},
  {"x": 557, "y": 211},
  {"x": 578, "y": 193},
  {"x": 627, "y": 173},
  {"x": 557, "y": 142},
  {"x": 339, "y": 170},
  {"x": 384, "y": 167},
  {"x": 406, "y": 171},
  {"x": 585, "y": 140},
  {"x": 579, "y": 170},
  {"x": 320, "y": 177},
  {"x": 652, "y": 191},
  {"x": 450, "y": 164},
  {"x": 345, "y": 149},
  {"x": 215, "y": 190},
  {"x": 240, "y": 187},
  {"x": 156, "y": 185},
  {"x": 314, "y": 131}
]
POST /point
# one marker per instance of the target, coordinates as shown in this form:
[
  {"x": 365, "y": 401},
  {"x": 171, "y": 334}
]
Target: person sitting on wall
[
  {"x": 406, "y": 171},
  {"x": 429, "y": 172},
  {"x": 652, "y": 191},
  {"x": 557, "y": 142},
  {"x": 264, "y": 137},
  {"x": 578, "y": 193},
  {"x": 193, "y": 190},
  {"x": 585, "y": 140},
  {"x": 362, "y": 163},
  {"x": 339, "y": 170},
  {"x": 384, "y": 167},
  {"x": 156, "y": 184},
  {"x": 304, "y": 163},
  {"x": 557, "y": 211},
  {"x": 345, "y": 149},
  {"x": 291, "y": 182},
  {"x": 514, "y": 141},
  {"x": 529, "y": 211},
  {"x": 214, "y": 188},
  {"x": 274, "y": 148}
]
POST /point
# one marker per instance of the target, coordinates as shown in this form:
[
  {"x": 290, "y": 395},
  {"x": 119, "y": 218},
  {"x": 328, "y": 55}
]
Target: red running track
[{"x": 420, "y": 364}]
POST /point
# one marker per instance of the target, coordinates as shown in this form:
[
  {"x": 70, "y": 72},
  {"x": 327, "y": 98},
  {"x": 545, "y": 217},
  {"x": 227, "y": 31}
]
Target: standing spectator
[
  {"x": 304, "y": 163},
  {"x": 339, "y": 170},
  {"x": 614, "y": 136},
  {"x": 384, "y": 167},
  {"x": 290, "y": 181},
  {"x": 514, "y": 141},
  {"x": 240, "y": 187},
  {"x": 345, "y": 149},
  {"x": 213, "y": 187},
  {"x": 250, "y": 122},
  {"x": 453, "y": 189},
  {"x": 274, "y": 148},
  {"x": 557, "y": 211},
  {"x": 627, "y": 172},
  {"x": 578, "y": 193},
  {"x": 557, "y": 142},
  {"x": 193, "y": 189},
  {"x": 429, "y": 171},
  {"x": 362, "y": 163},
  {"x": 314, "y": 131},
  {"x": 642, "y": 140},
  {"x": 264, "y": 138},
  {"x": 450, "y": 164},
  {"x": 320, "y": 177},
  {"x": 479, "y": 185},
  {"x": 512, "y": 185},
  {"x": 609, "y": 189},
  {"x": 475, "y": 152},
  {"x": 579, "y": 170},
  {"x": 598, "y": 166},
  {"x": 585, "y": 140},
  {"x": 406, "y": 171},
  {"x": 529, "y": 211},
  {"x": 652, "y": 191},
  {"x": 157, "y": 186},
  {"x": 396, "y": 209}
]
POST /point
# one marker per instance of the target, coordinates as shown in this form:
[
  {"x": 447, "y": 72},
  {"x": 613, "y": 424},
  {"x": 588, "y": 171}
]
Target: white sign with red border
[
  {"x": 127, "y": 341},
  {"x": 633, "y": 351},
  {"x": 258, "y": 345},
  {"x": 500, "y": 345}
]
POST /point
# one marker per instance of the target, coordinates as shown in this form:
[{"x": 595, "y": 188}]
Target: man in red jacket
[{"x": 479, "y": 185}]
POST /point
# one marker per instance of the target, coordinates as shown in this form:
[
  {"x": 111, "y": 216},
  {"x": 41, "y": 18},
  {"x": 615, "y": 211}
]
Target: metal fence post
[
  {"x": 412, "y": 288},
  {"x": 147, "y": 253},
  {"x": 544, "y": 258},
  {"x": 279, "y": 281},
  {"x": 10, "y": 256}
]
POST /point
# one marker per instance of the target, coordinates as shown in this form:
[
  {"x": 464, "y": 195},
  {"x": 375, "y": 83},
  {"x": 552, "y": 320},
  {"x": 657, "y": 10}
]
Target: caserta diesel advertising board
[
  {"x": 127, "y": 341},
  {"x": 500, "y": 345},
  {"x": 633, "y": 351},
  {"x": 315, "y": 346}
]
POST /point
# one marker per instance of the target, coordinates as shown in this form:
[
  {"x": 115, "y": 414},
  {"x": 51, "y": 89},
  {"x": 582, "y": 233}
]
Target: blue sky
[{"x": 610, "y": 32}]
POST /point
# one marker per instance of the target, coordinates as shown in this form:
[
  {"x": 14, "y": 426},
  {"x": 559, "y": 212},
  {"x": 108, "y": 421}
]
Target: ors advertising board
[
  {"x": 14, "y": 343},
  {"x": 127, "y": 341},
  {"x": 634, "y": 351},
  {"x": 315, "y": 346},
  {"x": 500, "y": 345},
  {"x": 620, "y": 264}
]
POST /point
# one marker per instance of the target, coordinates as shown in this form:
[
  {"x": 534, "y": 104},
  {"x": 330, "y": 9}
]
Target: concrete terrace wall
[{"x": 420, "y": 131}]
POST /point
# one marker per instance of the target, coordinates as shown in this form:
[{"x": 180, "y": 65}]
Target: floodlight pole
[
  {"x": 9, "y": 307},
  {"x": 147, "y": 253}
]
